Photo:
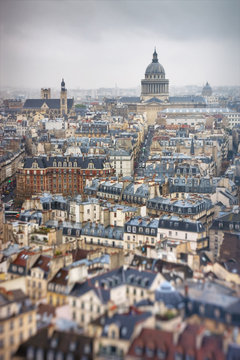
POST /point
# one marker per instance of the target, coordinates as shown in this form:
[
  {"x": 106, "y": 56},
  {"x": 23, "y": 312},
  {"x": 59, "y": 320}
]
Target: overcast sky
[{"x": 100, "y": 43}]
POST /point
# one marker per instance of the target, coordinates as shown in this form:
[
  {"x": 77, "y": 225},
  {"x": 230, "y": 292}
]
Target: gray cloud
[{"x": 99, "y": 43}]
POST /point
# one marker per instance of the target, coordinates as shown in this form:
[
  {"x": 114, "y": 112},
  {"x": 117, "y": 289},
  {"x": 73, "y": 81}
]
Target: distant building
[
  {"x": 207, "y": 90},
  {"x": 66, "y": 175},
  {"x": 155, "y": 86},
  {"x": 47, "y": 105},
  {"x": 46, "y": 93},
  {"x": 12, "y": 105}
]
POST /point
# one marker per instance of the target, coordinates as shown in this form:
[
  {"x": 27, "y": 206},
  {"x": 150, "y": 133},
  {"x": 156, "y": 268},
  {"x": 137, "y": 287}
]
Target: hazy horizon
[{"x": 104, "y": 44}]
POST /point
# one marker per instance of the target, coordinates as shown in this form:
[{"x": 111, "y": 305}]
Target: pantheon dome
[
  {"x": 154, "y": 86},
  {"x": 207, "y": 90}
]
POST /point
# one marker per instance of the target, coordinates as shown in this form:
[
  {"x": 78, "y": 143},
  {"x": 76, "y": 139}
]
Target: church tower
[
  {"x": 63, "y": 99},
  {"x": 155, "y": 85}
]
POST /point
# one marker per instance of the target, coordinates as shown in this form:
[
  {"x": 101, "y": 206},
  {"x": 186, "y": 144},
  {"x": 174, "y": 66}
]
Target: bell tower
[{"x": 63, "y": 99}]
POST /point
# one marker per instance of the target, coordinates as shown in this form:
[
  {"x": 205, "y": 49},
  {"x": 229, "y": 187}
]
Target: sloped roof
[{"x": 51, "y": 103}]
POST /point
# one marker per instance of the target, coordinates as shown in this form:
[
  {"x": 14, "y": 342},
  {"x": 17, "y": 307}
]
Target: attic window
[
  {"x": 149, "y": 352},
  {"x": 124, "y": 331}
]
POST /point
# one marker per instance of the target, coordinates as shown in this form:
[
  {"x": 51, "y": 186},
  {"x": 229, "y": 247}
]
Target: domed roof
[
  {"x": 207, "y": 86},
  {"x": 155, "y": 68},
  {"x": 207, "y": 90}
]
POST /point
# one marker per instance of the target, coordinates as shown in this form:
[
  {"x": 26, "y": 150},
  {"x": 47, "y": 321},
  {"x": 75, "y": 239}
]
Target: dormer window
[
  {"x": 59, "y": 164},
  {"x": 75, "y": 164},
  {"x": 65, "y": 164}
]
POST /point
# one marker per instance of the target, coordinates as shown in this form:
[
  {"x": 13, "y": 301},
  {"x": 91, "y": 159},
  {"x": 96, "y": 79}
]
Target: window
[
  {"x": 149, "y": 352},
  {"x": 201, "y": 309},
  {"x": 185, "y": 236},
  {"x": 87, "y": 349},
  {"x": 30, "y": 353},
  {"x": 20, "y": 337},
  {"x": 161, "y": 354},
  {"x": 11, "y": 340},
  {"x": 217, "y": 313},
  {"x": 178, "y": 356}
]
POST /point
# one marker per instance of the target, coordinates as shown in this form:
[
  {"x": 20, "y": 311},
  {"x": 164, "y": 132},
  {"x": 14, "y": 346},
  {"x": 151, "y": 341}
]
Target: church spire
[{"x": 155, "y": 56}]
